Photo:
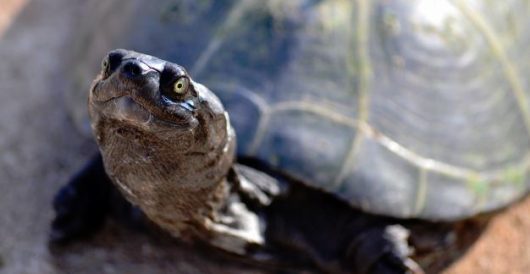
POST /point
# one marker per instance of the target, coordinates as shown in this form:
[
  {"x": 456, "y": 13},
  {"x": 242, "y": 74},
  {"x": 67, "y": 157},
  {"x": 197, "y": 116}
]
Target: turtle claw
[
  {"x": 413, "y": 267},
  {"x": 392, "y": 264},
  {"x": 399, "y": 251},
  {"x": 260, "y": 188}
]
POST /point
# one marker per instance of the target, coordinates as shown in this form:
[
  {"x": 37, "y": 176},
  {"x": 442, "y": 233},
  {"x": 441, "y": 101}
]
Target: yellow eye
[{"x": 181, "y": 85}]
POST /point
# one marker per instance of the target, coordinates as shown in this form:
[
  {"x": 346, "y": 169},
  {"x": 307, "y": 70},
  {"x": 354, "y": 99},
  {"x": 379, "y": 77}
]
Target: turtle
[{"x": 368, "y": 132}]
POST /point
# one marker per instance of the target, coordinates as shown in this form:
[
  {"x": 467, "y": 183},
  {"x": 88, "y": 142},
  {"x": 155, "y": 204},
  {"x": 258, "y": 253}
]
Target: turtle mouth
[
  {"x": 126, "y": 109},
  {"x": 111, "y": 99}
]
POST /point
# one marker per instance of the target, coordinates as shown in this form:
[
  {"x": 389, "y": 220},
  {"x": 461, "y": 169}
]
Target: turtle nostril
[
  {"x": 132, "y": 69},
  {"x": 114, "y": 59},
  {"x": 111, "y": 62}
]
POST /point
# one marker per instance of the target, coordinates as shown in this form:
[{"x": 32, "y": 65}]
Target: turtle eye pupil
[{"x": 181, "y": 85}]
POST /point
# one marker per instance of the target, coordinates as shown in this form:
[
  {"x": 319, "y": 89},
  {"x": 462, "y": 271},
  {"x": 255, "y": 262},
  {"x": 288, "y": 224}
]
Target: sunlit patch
[
  {"x": 434, "y": 13},
  {"x": 437, "y": 19},
  {"x": 9, "y": 11},
  {"x": 335, "y": 14}
]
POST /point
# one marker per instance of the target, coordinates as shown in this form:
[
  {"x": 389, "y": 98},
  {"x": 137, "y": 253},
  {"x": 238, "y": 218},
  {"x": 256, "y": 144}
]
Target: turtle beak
[
  {"x": 124, "y": 71},
  {"x": 131, "y": 65}
]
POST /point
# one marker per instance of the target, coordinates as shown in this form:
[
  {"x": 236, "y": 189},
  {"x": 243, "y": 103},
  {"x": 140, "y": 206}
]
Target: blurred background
[{"x": 42, "y": 145}]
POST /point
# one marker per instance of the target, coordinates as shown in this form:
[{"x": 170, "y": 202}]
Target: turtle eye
[{"x": 181, "y": 85}]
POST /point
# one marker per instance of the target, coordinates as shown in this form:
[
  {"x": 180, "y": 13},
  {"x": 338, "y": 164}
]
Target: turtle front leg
[
  {"x": 82, "y": 204},
  {"x": 239, "y": 227}
]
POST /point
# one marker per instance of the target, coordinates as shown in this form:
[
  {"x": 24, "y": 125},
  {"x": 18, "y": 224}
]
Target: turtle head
[
  {"x": 151, "y": 120},
  {"x": 145, "y": 92}
]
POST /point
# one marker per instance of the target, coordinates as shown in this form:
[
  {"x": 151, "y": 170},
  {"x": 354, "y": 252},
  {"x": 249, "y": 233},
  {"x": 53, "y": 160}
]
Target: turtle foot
[
  {"x": 81, "y": 206},
  {"x": 382, "y": 250}
]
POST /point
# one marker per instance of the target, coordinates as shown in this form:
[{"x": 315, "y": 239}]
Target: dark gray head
[
  {"x": 158, "y": 130},
  {"x": 145, "y": 92}
]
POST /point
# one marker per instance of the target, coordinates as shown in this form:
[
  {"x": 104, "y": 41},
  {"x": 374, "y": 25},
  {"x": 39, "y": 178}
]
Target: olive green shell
[{"x": 413, "y": 109}]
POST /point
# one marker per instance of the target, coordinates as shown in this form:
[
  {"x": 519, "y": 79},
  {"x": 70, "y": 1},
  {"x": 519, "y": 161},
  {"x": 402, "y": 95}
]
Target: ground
[{"x": 40, "y": 148}]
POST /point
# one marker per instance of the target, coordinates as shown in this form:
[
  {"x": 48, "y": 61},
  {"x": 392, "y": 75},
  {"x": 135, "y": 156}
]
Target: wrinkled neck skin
[{"x": 176, "y": 176}]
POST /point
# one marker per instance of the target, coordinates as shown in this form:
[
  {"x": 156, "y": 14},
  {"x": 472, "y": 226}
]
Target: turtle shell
[{"x": 412, "y": 109}]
